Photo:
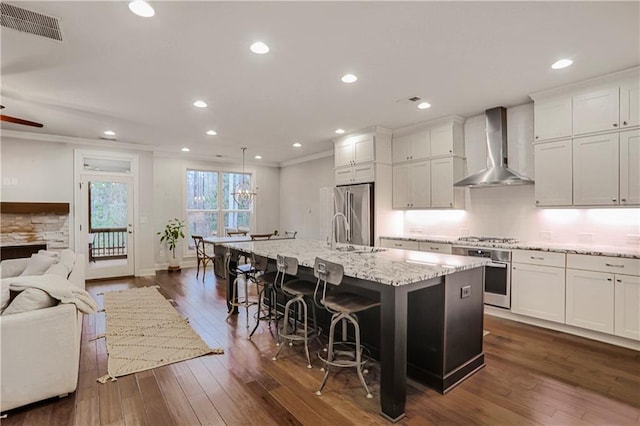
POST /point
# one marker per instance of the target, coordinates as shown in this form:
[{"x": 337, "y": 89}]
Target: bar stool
[
  {"x": 245, "y": 272},
  {"x": 343, "y": 306},
  {"x": 267, "y": 299},
  {"x": 298, "y": 291}
]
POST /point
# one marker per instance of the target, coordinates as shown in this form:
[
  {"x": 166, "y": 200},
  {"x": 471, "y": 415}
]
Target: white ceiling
[{"x": 139, "y": 76}]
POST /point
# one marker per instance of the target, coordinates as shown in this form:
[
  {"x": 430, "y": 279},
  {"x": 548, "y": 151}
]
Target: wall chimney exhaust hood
[{"x": 497, "y": 172}]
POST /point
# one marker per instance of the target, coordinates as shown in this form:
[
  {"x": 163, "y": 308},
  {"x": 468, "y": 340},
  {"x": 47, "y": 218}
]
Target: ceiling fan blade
[{"x": 19, "y": 121}]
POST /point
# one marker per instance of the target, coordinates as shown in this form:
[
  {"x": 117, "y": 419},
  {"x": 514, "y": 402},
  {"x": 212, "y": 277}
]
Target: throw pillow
[
  {"x": 30, "y": 300},
  {"x": 49, "y": 253},
  {"x": 38, "y": 264},
  {"x": 68, "y": 258}
]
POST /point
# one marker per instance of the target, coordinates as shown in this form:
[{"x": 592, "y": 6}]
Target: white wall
[
  {"x": 44, "y": 172},
  {"x": 169, "y": 203},
  {"x": 300, "y": 184}
]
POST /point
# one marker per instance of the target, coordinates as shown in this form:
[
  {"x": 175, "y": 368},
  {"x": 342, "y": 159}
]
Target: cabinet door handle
[
  {"x": 614, "y": 199},
  {"x": 624, "y": 123},
  {"x": 624, "y": 200},
  {"x": 537, "y": 202},
  {"x": 609, "y": 279},
  {"x": 613, "y": 265},
  {"x": 536, "y": 257},
  {"x": 537, "y": 137},
  {"x": 619, "y": 281},
  {"x": 615, "y": 124},
  {"x": 434, "y": 248}
]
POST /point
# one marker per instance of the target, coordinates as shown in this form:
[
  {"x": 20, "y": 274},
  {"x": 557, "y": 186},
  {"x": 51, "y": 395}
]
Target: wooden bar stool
[
  {"x": 343, "y": 306},
  {"x": 298, "y": 292},
  {"x": 202, "y": 257}
]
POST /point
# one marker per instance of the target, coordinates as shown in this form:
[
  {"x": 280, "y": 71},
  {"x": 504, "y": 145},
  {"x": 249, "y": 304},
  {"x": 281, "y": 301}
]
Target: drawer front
[
  {"x": 435, "y": 247},
  {"x": 399, "y": 244},
  {"x": 614, "y": 265},
  {"x": 536, "y": 257}
]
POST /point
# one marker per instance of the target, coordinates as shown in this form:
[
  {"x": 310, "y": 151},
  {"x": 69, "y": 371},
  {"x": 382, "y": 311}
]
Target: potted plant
[{"x": 172, "y": 233}]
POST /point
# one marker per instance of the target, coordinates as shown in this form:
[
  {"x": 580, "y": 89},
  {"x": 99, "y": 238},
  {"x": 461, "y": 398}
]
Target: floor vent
[{"x": 30, "y": 22}]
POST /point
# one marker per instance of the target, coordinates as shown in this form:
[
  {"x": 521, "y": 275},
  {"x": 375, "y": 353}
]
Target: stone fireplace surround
[{"x": 24, "y": 223}]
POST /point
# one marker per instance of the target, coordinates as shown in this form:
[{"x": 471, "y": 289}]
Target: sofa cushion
[
  {"x": 5, "y": 295},
  {"x": 68, "y": 259},
  {"x": 30, "y": 300},
  {"x": 38, "y": 264}
]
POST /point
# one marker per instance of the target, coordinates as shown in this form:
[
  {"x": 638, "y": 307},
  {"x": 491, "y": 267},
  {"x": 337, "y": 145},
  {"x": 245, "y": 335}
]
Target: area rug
[{"x": 145, "y": 331}]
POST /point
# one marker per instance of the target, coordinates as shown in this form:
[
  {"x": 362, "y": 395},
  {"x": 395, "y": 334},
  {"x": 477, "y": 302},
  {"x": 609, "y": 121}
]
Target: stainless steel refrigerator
[{"x": 356, "y": 203}]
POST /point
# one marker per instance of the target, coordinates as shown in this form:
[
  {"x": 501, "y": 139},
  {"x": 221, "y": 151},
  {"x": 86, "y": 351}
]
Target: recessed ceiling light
[
  {"x": 340, "y": 131},
  {"x": 185, "y": 149},
  {"x": 349, "y": 78},
  {"x": 562, "y": 63},
  {"x": 200, "y": 104},
  {"x": 297, "y": 145},
  {"x": 109, "y": 133},
  {"x": 260, "y": 48},
  {"x": 141, "y": 8},
  {"x": 258, "y": 157},
  {"x": 424, "y": 105},
  {"x": 212, "y": 132}
]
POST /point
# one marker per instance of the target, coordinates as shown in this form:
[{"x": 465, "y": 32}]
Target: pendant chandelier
[{"x": 243, "y": 193}]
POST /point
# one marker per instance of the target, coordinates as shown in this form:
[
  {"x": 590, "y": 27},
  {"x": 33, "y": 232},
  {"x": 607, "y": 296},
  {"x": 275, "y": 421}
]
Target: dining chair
[
  {"x": 202, "y": 256},
  {"x": 290, "y": 234},
  {"x": 237, "y": 233}
]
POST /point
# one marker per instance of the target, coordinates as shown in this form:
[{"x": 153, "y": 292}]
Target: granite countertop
[
  {"x": 239, "y": 238},
  {"x": 630, "y": 252},
  {"x": 385, "y": 266}
]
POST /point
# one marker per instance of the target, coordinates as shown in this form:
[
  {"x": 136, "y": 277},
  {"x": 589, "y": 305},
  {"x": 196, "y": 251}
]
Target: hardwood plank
[
  {"x": 155, "y": 406},
  {"x": 131, "y": 401},
  {"x": 179, "y": 406},
  {"x": 110, "y": 409},
  {"x": 62, "y": 412}
]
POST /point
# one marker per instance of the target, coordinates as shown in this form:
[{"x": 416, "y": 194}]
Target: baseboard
[
  {"x": 149, "y": 272},
  {"x": 576, "y": 331}
]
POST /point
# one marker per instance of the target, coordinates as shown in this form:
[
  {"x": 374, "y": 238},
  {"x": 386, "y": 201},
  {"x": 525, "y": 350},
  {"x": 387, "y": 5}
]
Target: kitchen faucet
[{"x": 347, "y": 228}]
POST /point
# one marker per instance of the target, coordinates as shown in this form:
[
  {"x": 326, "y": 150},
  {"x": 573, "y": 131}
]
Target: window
[{"x": 211, "y": 208}]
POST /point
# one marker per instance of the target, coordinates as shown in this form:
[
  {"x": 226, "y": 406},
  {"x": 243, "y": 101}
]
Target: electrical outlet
[
  {"x": 465, "y": 292},
  {"x": 633, "y": 239},
  {"x": 586, "y": 237},
  {"x": 545, "y": 235}
]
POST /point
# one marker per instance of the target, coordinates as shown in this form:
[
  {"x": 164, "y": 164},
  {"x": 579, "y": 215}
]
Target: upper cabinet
[
  {"x": 427, "y": 160},
  {"x": 359, "y": 149},
  {"x": 552, "y": 118},
  {"x": 586, "y": 142},
  {"x": 358, "y": 156},
  {"x": 604, "y": 104},
  {"x": 596, "y": 110},
  {"x": 413, "y": 146}
]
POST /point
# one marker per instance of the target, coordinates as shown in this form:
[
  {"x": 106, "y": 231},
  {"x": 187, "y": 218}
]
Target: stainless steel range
[{"x": 497, "y": 279}]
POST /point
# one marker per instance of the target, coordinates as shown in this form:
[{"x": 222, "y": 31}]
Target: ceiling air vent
[{"x": 30, "y": 22}]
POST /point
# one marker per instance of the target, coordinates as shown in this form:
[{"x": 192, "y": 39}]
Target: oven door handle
[{"x": 497, "y": 265}]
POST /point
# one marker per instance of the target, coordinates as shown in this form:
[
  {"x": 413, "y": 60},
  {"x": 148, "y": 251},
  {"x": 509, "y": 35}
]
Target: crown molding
[
  {"x": 306, "y": 158},
  {"x": 45, "y": 137}
]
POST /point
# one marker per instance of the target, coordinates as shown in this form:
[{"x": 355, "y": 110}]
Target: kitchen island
[{"x": 429, "y": 323}]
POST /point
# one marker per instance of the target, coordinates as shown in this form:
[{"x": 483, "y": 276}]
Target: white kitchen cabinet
[
  {"x": 590, "y": 300},
  {"x": 596, "y": 110},
  {"x": 595, "y": 170},
  {"x": 447, "y": 139},
  {"x": 399, "y": 244},
  {"x": 359, "y": 173},
  {"x": 554, "y": 174},
  {"x": 411, "y": 185},
  {"x": 538, "y": 284},
  {"x": 552, "y": 118},
  {"x": 630, "y": 103},
  {"x": 435, "y": 247},
  {"x": 412, "y": 146},
  {"x": 627, "y": 306},
  {"x": 630, "y": 167},
  {"x": 354, "y": 150},
  {"x": 444, "y": 172}
]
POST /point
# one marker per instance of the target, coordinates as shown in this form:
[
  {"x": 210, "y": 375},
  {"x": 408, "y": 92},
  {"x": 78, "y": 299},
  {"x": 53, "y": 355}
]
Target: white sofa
[{"x": 39, "y": 349}]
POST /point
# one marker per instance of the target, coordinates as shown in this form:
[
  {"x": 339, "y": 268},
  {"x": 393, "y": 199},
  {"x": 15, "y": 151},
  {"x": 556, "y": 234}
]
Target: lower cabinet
[
  {"x": 627, "y": 306},
  {"x": 399, "y": 244},
  {"x": 538, "y": 291},
  {"x": 590, "y": 300}
]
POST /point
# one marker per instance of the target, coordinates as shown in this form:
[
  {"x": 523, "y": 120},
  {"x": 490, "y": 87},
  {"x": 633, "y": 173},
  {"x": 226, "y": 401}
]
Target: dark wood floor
[{"x": 533, "y": 376}]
